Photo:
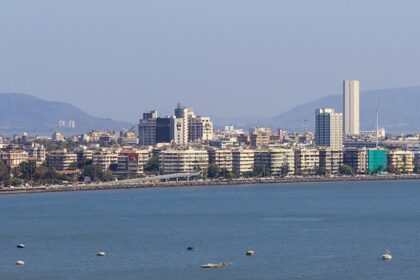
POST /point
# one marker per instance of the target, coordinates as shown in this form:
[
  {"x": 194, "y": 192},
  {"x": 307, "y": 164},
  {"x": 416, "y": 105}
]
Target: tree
[
  {"x": 344, "y": 169},
  {"x": 284, "y": 170},
  {"x": 320, "y": 171},
  {"x": 213, "y": 171},
  {"x": 5, "y": 174},
  {"x": 152, "y": 165},
  {"x": 96, "y": 173},
  {"x": 26, "y": 170},
  {"x": 226, "y": 173}
]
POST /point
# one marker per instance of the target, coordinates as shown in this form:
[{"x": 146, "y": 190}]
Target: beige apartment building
[
  {"x": 242, "y": 160},
  {"x": 221, "y": 157},
  {"x": 306, "y": 161},
  {"x": 104, "y": 158},
  {"x": 279, "y": 158},
  {"x": 200, "y": 128},
  {"x": 183, "y": 160},
  {"x": 61, "y": 159},
  {"x": 401, "y": 161},
  {"x": 13, "y": 158},
  {"x": 259, "y": 137}
]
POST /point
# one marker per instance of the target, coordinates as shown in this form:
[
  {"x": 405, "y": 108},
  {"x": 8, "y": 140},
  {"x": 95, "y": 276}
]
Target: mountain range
[
  {"x": 398, "y": 114},
  {"x": 25, "y": 113},
  {"x": 399, "y": 111}
]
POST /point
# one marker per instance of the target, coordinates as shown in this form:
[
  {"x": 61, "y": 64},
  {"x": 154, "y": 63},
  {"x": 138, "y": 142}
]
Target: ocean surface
[{"x": 298, "y": 231}]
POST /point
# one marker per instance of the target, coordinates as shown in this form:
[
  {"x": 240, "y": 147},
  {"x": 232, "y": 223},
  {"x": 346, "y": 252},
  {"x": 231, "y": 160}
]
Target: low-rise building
[
  {"x": 400, "y": 161},
  {"x": 221, "y": 157},
  {"x": 330, "y": 159},
  {"x": 377, "y": 159},
  {"x": 262, "y": 162},
  {"x": 282, "y": 162},
  {"x": 242, "y": 161},
  {"x": 61, "y": 160},
  {"x": 132, "y": 161},
  {"x": 183, "y": 160},
  {"x": 356, "y": 158},
  {"x": 306, "y": 161},
  {"x": 13, "y": 158},
  {"x": 104, "y": 158}
]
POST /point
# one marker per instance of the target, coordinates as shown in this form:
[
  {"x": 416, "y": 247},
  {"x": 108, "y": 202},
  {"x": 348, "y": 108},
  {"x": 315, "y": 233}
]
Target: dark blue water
[{"x": 311, "y": 231}]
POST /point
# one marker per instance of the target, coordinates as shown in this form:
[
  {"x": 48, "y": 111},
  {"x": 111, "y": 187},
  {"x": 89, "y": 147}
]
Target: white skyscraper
[{"x": 351, "y": 94}]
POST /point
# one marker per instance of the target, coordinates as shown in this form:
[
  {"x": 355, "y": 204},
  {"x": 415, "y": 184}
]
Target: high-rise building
[
  {"x": 147, "y": 129},
  {"x": 328, "y": 128},
  {"x": 186, "y": 114},
  {"x": 200, "y": 128},
  {"x": 351, "y": 93},
  {"x": 177, "y": 130},
  {"x": 163, "y": 130}
]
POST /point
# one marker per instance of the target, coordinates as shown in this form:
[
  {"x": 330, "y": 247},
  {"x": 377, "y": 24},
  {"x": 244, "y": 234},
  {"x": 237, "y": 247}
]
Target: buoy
[
  {"x": 250, "y": 253},
  {"x": 20, "y": 246},
  {"x": 20, "y": 262},
  {"x": 100, "y": 254}
]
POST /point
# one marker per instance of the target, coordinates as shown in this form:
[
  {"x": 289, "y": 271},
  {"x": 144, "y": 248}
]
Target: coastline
[{"x": 198, "y": 183}]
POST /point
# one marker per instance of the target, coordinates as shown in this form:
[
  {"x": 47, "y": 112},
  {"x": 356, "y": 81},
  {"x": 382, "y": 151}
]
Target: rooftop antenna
[
  {"x": 377, "y": 124},
  {"x": 306, "y": 126}
]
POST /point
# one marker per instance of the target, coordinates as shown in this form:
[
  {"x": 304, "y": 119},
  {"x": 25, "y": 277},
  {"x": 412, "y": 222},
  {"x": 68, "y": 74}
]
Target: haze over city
[{"x": 231, "y": 59}]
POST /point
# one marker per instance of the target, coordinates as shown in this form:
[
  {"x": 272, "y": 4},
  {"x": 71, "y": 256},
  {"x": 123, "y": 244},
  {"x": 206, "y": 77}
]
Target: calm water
[{"x": 311, "y": 231}]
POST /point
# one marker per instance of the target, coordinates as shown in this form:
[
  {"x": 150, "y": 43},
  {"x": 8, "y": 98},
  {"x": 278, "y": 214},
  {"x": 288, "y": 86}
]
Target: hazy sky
[{"x": 224, "y": 58}]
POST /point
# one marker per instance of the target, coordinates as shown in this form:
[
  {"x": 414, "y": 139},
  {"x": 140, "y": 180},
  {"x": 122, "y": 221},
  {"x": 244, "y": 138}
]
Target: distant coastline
[{"x": 199, "y": 183}]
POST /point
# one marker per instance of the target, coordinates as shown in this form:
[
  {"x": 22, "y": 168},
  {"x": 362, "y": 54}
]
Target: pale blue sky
[{"x": 225, "y": 58}]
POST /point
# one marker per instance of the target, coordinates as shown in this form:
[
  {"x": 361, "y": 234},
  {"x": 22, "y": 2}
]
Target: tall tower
[
  {"x": 186, "y": 114},
  {"x": 328, "y": 128},
  {"x": 351, "y": 94}
]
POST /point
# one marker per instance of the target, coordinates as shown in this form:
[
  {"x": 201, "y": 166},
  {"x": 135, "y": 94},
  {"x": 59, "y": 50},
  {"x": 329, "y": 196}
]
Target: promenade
[{"x": 197, "y": 183}]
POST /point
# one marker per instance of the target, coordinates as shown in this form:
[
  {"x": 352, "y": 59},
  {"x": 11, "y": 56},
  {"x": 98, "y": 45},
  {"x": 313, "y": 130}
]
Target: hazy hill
[
  {"x": 22, "y": 112},
  {"x": 399, "y": 111}
]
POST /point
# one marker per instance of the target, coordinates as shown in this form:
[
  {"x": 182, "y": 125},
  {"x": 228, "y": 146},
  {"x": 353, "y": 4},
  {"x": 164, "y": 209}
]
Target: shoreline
[{"x": 199, "y": 183}]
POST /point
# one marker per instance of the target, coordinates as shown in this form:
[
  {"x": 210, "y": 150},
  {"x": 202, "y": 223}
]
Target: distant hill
[
  {"x": 399, "y": 111},
  {"x": 26, "y": 113}
]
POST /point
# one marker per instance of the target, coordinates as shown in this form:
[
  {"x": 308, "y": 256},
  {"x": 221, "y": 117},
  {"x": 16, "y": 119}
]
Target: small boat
[
  {"x": 387, "y": 255},
  {"x": 21, "y": 246},
  {"x": 215, "y": 265},
  {"x": 250, "y": 253},
  {"x": 20, "y": 262},
  {"x": 190, "y": 248},
  {"x": 101, "y": 254}
]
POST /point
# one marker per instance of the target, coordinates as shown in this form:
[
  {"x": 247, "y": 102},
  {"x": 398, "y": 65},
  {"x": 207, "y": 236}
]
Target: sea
[{"x": 336, "y": 230}]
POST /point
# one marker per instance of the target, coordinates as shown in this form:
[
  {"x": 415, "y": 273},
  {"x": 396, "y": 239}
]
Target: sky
[{"x": 228, "y": 59}]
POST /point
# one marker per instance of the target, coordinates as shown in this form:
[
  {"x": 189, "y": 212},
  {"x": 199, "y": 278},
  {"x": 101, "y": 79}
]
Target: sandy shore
[{"x": 244, "y": 181}]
